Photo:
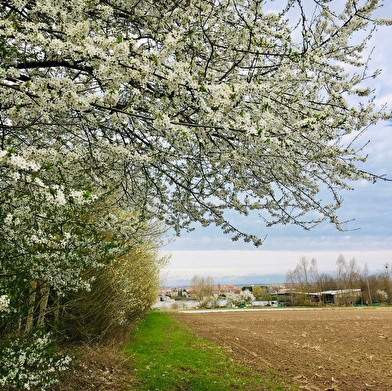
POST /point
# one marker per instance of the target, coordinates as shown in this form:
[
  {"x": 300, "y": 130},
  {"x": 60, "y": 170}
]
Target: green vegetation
[{"x": 168, "y": 356}]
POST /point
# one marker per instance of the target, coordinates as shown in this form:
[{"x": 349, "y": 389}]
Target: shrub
[{"x": 121, "y": 293}]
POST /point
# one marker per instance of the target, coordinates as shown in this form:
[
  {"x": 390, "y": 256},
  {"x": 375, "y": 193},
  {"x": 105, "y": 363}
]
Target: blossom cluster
[
  {"x": 4, "y": 303},
  {"x": 28, "y": 364},
  {"x": 244, "y": 297}
]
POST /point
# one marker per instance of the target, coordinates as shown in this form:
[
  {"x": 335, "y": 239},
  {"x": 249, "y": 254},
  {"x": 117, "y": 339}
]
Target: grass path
[{"x": 167, "y": 356}]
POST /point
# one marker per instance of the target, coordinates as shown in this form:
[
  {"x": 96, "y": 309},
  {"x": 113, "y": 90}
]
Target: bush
[{"x": 121, "y": 293}]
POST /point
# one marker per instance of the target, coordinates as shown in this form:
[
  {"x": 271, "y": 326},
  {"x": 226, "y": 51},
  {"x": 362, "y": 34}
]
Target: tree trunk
[
  {"x": 31, "y": 303},
  {"x": 43, "y": 303}
]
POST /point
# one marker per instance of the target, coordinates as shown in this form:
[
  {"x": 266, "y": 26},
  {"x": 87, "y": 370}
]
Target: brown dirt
[
  {"x": 324, "y": 349},
  {"x": 100, "y": 368}
]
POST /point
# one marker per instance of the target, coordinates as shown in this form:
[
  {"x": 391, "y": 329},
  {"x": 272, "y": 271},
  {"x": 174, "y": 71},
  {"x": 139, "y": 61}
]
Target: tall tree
[
  {"x": 202, "y": 288},
  {"x": 300, "y": 280},
  {"x": 347, "y": 278},
  {"x": 366, "y": 285},
  {"x": 316, "y": 278},
  {"x": 385, "y": 277}
]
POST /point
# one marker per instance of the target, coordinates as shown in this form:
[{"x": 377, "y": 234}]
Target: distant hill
[{"x": 252, "y": 279}]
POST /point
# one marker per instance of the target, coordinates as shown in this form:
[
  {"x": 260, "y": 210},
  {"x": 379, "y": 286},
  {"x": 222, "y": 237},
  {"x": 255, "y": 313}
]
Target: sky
[{"x": 368, "y": 208}]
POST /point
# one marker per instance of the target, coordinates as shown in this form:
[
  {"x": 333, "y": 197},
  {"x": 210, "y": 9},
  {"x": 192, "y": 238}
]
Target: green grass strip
[{"x": 167, "y": 356}]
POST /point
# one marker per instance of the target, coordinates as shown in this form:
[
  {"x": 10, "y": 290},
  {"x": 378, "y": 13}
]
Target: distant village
[
  {"x": 178, "y": 293},
  {"x": 259, "y": 296},
  {"x": 305, "y": 285}
]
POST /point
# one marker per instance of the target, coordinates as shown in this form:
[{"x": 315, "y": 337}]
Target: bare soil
[
  {"x": 100, "y": 368},
  {"x": 323, "y": 349}
]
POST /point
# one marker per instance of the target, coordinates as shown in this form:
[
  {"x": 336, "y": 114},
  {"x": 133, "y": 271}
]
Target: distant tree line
[{"x": 306, "y": 278}]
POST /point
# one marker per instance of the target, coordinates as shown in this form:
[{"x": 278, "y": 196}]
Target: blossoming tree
[{"x": 209, "y": 106}]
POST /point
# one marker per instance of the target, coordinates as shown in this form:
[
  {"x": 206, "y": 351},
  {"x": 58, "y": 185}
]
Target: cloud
[{"x": 260, "y": 265}]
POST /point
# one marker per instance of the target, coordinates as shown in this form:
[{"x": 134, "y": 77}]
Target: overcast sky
[{"x": 368, "y": 239}]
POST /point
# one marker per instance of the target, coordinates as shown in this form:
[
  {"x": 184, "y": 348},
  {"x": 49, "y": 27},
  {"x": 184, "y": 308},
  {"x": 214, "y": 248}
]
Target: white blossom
[{"x": 4, "y": 303}]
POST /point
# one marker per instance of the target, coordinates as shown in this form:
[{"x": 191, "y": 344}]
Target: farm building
[{"x": 338, "y": 296}]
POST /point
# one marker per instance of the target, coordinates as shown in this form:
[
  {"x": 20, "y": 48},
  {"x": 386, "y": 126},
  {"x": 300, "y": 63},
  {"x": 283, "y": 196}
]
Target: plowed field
[{"x": 323, "y": 349}]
